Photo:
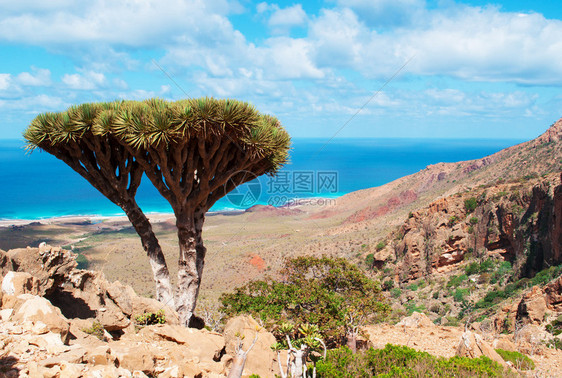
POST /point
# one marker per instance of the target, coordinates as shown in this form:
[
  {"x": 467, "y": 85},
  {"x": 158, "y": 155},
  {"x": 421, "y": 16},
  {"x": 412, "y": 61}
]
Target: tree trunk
[
  {"x": 150, "y": 244},
  {"x": 352, "y": 341},
  {"x": 190, "y": 263}
]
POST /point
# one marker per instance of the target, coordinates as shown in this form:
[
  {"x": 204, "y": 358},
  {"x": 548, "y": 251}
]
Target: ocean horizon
[{"x": 37, "y": 186}]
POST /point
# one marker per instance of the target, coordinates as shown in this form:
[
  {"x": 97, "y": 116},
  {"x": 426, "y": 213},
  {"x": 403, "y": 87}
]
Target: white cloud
[
  {"x": 87, "y": 81},
  {"x": 386, "y": 13},
  {"x": 5, "y": 80},
  {"x": 283, "y": 19},
  {"x": 470, "y": 43},
  {"x": 39, "y": 77},
  {"x": 126, "y": 22},
  {"x": 34, "y": 104}
]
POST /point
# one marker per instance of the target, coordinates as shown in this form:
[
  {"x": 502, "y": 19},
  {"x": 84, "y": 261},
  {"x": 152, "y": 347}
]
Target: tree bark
[
  {"x": 190, "y": 263},
  {"x": 351, "y": 341},
  {"x": 150, "y": 244}
]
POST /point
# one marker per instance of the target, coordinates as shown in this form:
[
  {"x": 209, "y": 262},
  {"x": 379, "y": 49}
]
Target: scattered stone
[
  {"x": 472, "y": 345},
  {"x": 416, "y": 320},
  {"x": 40, "y": 309}
]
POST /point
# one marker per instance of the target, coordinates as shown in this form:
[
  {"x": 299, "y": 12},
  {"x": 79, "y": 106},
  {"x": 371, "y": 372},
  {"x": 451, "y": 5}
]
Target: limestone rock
[
  {"x": 135, "y": 356},
  {"x": 553, "y": 294},
  {"x": 16, "y": 283},
  {"x": 416, "y": 320},
  {"x": 50, "y": 265},
  {"x": 532, "y": 307},
  {"x": 261, "y": 359},
  {"x": 472, "y": 345},
  {"x": 204, "y": 345},
  {"x": 40, "y": 309},
  {"x": 143, "y": 305},
  {"x": 504, "y": 342}
]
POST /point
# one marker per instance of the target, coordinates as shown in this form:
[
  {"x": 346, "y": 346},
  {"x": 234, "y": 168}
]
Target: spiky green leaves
[{"x": 160, "y": 124}]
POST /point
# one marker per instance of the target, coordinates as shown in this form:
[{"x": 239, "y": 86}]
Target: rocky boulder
[
  {"x": 16, "y": 283},
  {"x": 416, "y": 320},
  {"x": 473, "y": 345},
  {"x": 261, "y": 359},
  {"x": 50, "y": 265},
  {"x": 38, "y": 309}
]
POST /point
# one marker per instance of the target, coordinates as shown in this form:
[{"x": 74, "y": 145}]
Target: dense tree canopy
[{"x": 332, "y": 294}]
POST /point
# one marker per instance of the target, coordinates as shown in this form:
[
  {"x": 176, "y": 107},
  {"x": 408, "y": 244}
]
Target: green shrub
[
  {"x": 555, "y": 327},
  {"x": 453, "y": 220},
  {"x": 95, "y": 330},
  {"x": 401, "y": 361},
  {"x": 472, "y": 268},
  {"x": 413, "y": 287},
  {"x": 150, "y": 318},
  {"x": 396, "y": 292},
  {"x": 412, "y": 307},
  {"x": 388, "y": 284},
  {"x": 435, "y": 294},
  {"x": 486, "y": 266},
  {"x": 320, "y": 291},
  {"x": 519, "y": 361},
  {"x": 456, "y": 281},
  {"x": 473, "y": 220},
  {"x": 470, "y": 229},
  {"x": 370, "y": 260},
  {"x": 452, "y": 321},
  {"x": 470, "y": 204},
  {"x": 380, "y": 245},
  {"x": 460, "y": 294},
  {"x": 546, "y": 275}
]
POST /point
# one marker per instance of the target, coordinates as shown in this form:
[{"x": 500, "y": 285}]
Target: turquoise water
[{"x": 37, "y": 185}]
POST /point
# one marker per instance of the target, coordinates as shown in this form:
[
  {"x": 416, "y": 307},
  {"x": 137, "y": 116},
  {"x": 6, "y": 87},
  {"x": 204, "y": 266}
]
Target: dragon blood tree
[{"x": 193, "y": 151}]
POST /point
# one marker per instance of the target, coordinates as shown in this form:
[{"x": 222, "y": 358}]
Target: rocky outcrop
[
  {"x": 51, "y": 319},
  {"x": 473, "y": 345},
  {"x": 511, "y": 222}
]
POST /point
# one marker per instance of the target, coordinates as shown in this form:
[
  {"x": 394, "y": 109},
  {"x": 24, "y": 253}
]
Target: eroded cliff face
[{"x": 520, "y": 222}]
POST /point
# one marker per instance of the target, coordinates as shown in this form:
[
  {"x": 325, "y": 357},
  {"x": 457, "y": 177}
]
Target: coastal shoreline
[{"x": 154, "y": 217}]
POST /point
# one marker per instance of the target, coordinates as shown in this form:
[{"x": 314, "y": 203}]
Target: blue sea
[{"x": 37, "y": 185}]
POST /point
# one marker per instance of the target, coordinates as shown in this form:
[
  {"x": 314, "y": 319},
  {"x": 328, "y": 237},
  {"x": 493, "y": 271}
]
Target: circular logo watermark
[{"x": 247, "y": 189}]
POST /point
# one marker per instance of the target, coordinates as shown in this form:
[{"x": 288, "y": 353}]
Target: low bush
[
  {"x": 380, "y": 245},
  {"x": 470, "y": 204},
  {"x": 95, "y": 330},
  {"x": 555, "y": 327},
  {"x": 456, "y": 281},
  {"x": 460, "y": 295},
  {"x": 401, "y": 361},
  {"x": 519, "y": 361},
  {"x": 150, "y": 318}
]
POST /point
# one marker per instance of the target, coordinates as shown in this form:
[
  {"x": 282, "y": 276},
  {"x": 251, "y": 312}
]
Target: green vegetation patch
[
  {"x": 150, "y": 318},
  {"x": 95, "y": 330},
  {"x": 401, "y": 361},
  {"x": 470, "y": 204},
  {"x": 332, "y": 294},
  {"x": 519, "y": 360}
]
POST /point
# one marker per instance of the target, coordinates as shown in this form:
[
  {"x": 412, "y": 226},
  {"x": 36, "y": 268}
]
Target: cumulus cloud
[
  {"x": 386, "y": 13},
  {"x": 38, "y": 77},
  {"x": 283, "y": 19},
  {"x": 132, "y": 22},
  {"x": 85, "y": 81},
  {"x": 469, "y": 43},
  {"x": 5, "y": 80}
]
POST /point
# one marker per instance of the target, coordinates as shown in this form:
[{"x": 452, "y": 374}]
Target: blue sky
[{"x": 475, "y": 69}]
